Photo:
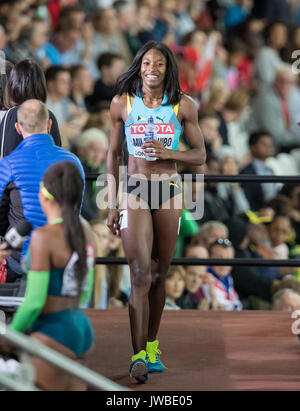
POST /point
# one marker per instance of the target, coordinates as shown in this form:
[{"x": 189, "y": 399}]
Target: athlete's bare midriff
[{"x": 149, "y": 169}]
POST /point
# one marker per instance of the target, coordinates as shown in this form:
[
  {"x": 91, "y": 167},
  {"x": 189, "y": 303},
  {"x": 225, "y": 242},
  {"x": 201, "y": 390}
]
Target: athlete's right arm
[{"x": 114, "y": 157}]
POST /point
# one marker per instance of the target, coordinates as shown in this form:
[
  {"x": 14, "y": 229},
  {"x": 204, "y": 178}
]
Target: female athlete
[{"x": 149, "y": 93}]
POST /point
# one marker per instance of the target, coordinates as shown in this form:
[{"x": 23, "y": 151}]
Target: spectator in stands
[
  {"x": 237, "y": 13},
  {"x": 208, "y": 233},
  {"x": 29, "y": 43},
  {"x": 82, "y": 85},
  {"x": 70, "y": 118},
  {"x": 231, "y": 192},
  {"x": 268, "y": 60},
  {"x": 166, "y": 25},
  {"x": 193, "y": 296},
  {"x": 71, "y": 46},
  {"x": 175, "y": 283},
  {"x": 106, "y": 37},
  {"x": 111, "y": 66},
  {"x": 291, "y": 193},
  {"x": 22, "y": 171},
  {"x": 215, "y": 208},
  {"x": 226, "y": 296},
  {"x": 272, "y": 9},
  {"x": 286, "y": 300},
  {"x": 261, "y": 148},
  {"x": 26, "y": 81},
  {"x": 185, "y": 21},
  {"x": 232, "y": 112},
  {"x": 279, "y": 230},
  {"x": 126, "y": 12},
  {"x": 100, "y": 117},
  {"x": 270, "y": 111},
  {"x": 209, "y": 124},
  {"x": 249, "y": 281},
  {"x": 228, "y": 70},
  {"x": 92, "y": 148},
  {"x": 72, "y": 15}
]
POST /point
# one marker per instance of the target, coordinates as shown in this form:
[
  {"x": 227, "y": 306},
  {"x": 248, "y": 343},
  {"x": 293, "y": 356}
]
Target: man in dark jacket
[
  {"x": 261, "y": 147},
  {"x": 22, "y": 171}
]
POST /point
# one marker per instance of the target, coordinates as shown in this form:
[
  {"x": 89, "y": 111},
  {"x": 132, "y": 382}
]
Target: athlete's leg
[
  {"x": 166, "y": 224},
  {"x": 50, "y": 378},
  {"x": 137, "y": 237}
]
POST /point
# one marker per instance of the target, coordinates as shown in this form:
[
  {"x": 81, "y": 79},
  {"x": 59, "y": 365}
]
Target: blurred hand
[
  {"x": 113, "y": 221},
  {"x": 4, "y": 253}
]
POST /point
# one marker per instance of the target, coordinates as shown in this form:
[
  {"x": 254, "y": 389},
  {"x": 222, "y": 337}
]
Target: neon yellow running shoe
[
  {"x": 152, "y": 357},
  {"x": 138, "y": 367}
]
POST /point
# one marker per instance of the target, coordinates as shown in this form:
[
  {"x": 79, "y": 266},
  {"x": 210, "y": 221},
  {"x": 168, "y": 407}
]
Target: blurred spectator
[
  {"x": 209, "y": 124},
  {"x": 30, "y": 42},
  {"x": 286, "y": 300},
  {"x": 291, "y": 193},
  {"x": 293, "y": 104},
  {"x": 106, "y": 37},
  {"x": 215, "y": 208},
  {"x": 70, "y": 118},
  {"x": 185, "y": 21},
  {"x": 92, "y": 148},
  {"x": 226, "y": 296},
  {"x": 232, "y": 113},
  {"x": 100, "y": 117},
  {"x": 231, "y": 192},
  {"x": 82, "y": 85},
  {"x": 127, "y": 17},
  {"x": 237, "y": 13},
  {"x": 193, "y": 280},
  {"x": 193, "y": 296},
  {"x": 229, "y": 70},
  {"x": 279, "y": 230},
  {"x": 175, "y": 283},
  {"x": 261, "y": 148},
  {"x": 26, "y": 81},
  {"x": 208, "y": 233},
  {"x": 72, "y": 16},
  {"x": 268, "y": 60},
  {"x": 166, "y": 28},
  {"x": 270, "y": 111},
  {"x": 111, "y": 66},
  {"x": 55, "y": 6},
  {"x": 272, "y": 9}
]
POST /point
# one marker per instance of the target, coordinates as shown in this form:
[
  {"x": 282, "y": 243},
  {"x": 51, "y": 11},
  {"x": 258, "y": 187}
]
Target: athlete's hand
[
  {"x": 155, "y": 148},
  {"x": 113, "y": 221}
]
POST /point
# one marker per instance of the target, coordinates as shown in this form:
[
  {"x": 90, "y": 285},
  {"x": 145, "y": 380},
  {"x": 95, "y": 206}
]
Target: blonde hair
[
  {"x": 91, "y": 135},
  {"x": 238, "y": 100}
]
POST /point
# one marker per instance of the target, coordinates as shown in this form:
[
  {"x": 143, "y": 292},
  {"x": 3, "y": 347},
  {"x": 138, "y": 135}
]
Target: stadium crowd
[{"x": 237, "y": 59}]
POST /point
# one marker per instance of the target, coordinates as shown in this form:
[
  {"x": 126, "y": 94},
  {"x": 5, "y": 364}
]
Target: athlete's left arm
[
  {"x": 188, "y": 116},
  {"x": 37, "y": 283}
]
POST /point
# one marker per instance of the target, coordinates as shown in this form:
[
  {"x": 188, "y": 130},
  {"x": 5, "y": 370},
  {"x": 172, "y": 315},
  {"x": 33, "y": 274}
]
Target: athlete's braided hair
[{"x": 65, "y": 183}]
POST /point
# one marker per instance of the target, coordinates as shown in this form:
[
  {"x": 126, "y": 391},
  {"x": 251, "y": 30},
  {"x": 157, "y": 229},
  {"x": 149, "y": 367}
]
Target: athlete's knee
[
  {"x": 140, "y": 274},
  {"x": 159, "y": 275}
]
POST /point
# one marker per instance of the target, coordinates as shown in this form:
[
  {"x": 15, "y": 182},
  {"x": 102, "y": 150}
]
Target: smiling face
[{"x": 153, "y": 69}]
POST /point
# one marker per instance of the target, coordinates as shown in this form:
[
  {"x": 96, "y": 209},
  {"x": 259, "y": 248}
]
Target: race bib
[{"x": 165, "y": 134}]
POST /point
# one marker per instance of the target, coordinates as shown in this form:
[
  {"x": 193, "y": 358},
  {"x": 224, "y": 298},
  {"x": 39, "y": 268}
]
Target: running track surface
[{"x": 247, "y": 350}]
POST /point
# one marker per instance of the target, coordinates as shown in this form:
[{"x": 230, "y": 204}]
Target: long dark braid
[{"x": 64, "y": 182}]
